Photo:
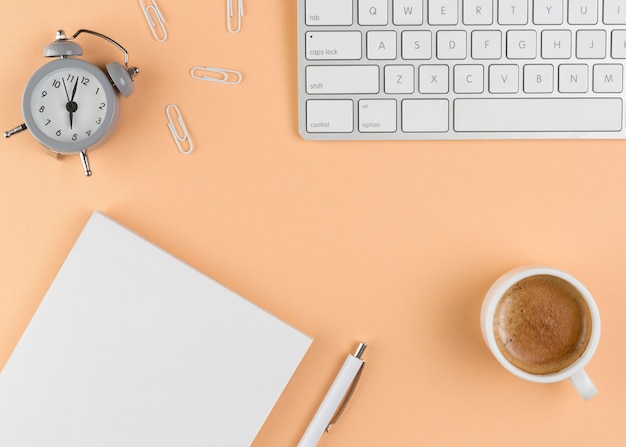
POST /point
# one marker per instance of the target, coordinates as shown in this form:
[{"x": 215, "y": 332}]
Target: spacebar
[{"x": 538, "y": 115}]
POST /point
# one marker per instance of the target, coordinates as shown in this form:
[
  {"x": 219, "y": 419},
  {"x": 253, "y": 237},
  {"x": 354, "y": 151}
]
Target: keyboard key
[
  {"x": 618, "y": 44},
  {"x": 377, "y": 115},
  {"x": 468, "y": 79},
  {"x": 538, "y": 78},
  {"x": 328, "y": 12},
  {"x": 614, "y": 12},
  {"x": 451, "y": 45},
  {"x": 443, "y": 12},
  {"x": 538, "y": 115},
  {"x": 583, "y": 12},
  {"x": 425, "y": 115},
  {"x": 573, "y": 78},
  {"x": 521, "y": 44},
  {"x": 329, "y": 115},
  {"x": 408, "y": 12},
  {"x": 372, "y": 12},
  {"x": 433, "y": 79},
  {"x": 399, "y": 79},
  {"x": 608, "y": 78},
  {"x": 556, "y": 44},
  {"x": 503, "y": 78},
  {"x": 328, "y": 45},
  {"x": 591, "y": 44},
  {"x": 478, "y": 12},
  {"x": 512, "y": 12},
  {"x": 381, "y": 45},
  {"x": 486, "y": 44},
  {"x": 337, "y": 79},
  {"x": 416, "y": 45},
  {"x": 548, "y": 12}
]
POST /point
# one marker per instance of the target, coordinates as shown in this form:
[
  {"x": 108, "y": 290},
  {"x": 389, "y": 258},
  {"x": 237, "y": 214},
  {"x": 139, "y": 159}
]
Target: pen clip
[{"x": 350, "y": 392}]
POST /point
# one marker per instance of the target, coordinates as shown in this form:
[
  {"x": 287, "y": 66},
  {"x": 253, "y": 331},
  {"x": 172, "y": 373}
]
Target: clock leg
[
  {"x": 54, "y": 155},
  {"x": 85, "y": 160},
  {"x": 15, "y": 130}
]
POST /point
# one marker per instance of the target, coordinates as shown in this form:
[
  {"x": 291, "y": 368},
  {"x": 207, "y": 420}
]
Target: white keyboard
[{"x": 461, "y": 69}]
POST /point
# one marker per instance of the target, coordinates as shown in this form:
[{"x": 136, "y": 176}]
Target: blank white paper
[{"x": 132, "y": 347}]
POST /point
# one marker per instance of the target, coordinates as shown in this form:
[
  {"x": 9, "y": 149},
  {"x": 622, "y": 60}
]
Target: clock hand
[
  {"x": 74, "y": 91},
  {"x": 71, "y": 105},
  {"x": 68, "y": 104},
  {"x": 67, "y": 95}
]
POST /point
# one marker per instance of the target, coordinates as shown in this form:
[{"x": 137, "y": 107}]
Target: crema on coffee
[{"x": 542, "y": 324}]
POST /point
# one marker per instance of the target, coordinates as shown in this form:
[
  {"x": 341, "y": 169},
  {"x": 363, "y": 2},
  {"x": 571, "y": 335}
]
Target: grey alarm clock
[{"x": 70, "y": 105}]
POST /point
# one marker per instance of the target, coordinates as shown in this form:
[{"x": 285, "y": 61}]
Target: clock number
[
  {"x": 99, "y": 120},
  {"x": 48, "y": 122},
  {"x": 44, "y": 94},
  {"x": 88, "y": 133},
  {"x": 56, "y": 83},
  {"x": 102, "y": 106},
  {"x": 97, "y": 90},
  {"x": 41, "y": 109},
  {"x": 84, "y": 81},
  {"x": 71, "y": 77},
  {"x": 59, "y": 133},
  {"x": 75, "y": 137}
]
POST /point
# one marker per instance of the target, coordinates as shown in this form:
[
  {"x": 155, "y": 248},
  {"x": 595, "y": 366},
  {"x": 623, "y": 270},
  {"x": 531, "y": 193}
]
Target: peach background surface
[{"x": 392, "y": 243}]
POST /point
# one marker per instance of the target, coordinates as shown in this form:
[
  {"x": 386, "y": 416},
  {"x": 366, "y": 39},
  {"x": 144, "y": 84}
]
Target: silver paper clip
[
  {"x": 230, "y": 14},
  {"x": 212, "y": 74},
  {"x": 178, "y": 138},
  {"x": 155, "y": 20}
]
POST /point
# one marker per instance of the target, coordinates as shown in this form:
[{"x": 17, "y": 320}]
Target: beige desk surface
[{"x": 391, "y": 243}]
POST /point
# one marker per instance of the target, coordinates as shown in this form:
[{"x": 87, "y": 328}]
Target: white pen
[{"x": 339, "y": 394}]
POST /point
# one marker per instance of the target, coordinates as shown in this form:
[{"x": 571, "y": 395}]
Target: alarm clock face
[{"x": 69, "y": 105}]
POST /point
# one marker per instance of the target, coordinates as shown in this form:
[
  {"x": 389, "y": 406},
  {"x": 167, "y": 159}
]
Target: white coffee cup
[{"x": 574, "y": 371}]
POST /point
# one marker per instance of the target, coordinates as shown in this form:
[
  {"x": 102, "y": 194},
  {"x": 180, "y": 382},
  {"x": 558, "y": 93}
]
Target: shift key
[
  {"x": 341, "y": 79},
  {"x": 328, "y": 12}
]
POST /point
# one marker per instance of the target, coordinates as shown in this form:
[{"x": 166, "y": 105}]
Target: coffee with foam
[{"x": 542, "y": 324}]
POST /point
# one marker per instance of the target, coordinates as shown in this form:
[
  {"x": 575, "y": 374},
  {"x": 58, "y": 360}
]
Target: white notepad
[{"x": 132, "y": 347}]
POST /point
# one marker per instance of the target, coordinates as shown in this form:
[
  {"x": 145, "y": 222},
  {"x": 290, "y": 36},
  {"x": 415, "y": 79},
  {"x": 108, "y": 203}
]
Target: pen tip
[{"x": 359, "y": 350}]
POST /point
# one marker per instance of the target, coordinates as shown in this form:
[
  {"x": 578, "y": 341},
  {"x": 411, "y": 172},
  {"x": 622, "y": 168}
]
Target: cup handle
[{"x": 584, "y": 385}]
